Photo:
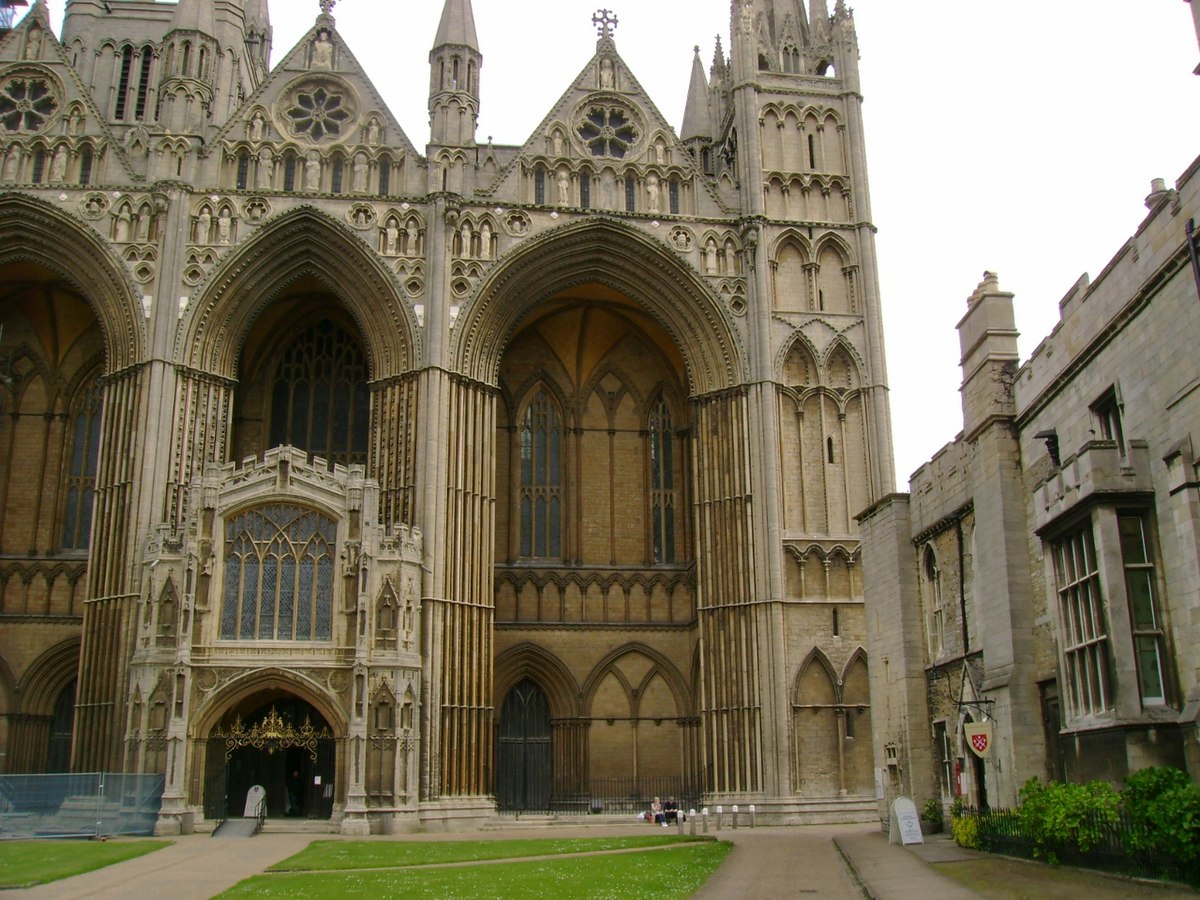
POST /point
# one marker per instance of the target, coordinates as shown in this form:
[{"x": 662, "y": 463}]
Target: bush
[
  {"x": 966, "y": 831},
  {"x": 1163, "y": 806},
  {"x": 1074, "y": 816},
  {"x": 931, "y": 812}
]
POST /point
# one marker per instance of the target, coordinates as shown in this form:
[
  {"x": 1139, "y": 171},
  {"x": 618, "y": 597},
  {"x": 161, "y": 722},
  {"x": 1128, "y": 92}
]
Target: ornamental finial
[
  {"x": 327, "y": 7},
  {"x": 605, "y": 21}
]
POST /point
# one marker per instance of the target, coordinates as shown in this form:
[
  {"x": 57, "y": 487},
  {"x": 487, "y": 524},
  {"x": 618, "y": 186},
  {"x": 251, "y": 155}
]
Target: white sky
[{"x": 1017, "y": 136}]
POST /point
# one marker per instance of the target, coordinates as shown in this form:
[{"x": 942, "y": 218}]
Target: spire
[
  {"x": 194, "y": 15},
  {"x": 819, "y": 18},
  {"x": 457, "y": 26},
  {"x": 697, "y": 123}
]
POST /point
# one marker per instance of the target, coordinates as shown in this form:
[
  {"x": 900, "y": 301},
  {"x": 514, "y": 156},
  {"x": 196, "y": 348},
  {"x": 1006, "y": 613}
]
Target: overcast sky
[{"x": 1017, "y": 136}]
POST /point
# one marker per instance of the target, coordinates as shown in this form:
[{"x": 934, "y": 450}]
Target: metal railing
[
  {"x": 621, "y": 795},
  {"x": 1113, "y": 845},
  {"x": 94, "y": 804}
]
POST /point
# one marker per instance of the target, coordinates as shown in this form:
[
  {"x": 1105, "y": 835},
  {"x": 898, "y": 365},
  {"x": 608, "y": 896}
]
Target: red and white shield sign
[{"x": 979, "y": 737}]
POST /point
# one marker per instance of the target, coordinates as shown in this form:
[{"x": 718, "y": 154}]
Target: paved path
[{"x": 814, "y": 861}]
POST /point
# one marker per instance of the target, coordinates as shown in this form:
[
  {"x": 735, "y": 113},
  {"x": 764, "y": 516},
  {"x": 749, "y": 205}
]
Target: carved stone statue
[
  {"x": 256, "y": 127},
  {"x": 124, "y": 220},
  {"x": 58, "y": 165},
  {"x": 606, "y": 74},
  {"x": 710, "y": 257},
  {"x": 412, "y": 236},
  {"x": 33, "y": 49},
  {"x": 312, "y": 171},
  {"x": 558, "y": 143},
  {"x": 224, "y": 227},
  {"x": 203, "y": 226},
  {"x": 360, "y": 173},
  {"x": 392, "y": 238},
  {"x": 10, "y": 164},
  {"x": 485, "y": 241},
  {"x": 263, "y": 179},
  {"x": 564, "y": 188},
  {"x": 653, "y": 192},
  {"x": 373, "y": 132},
  {"x": 322, "y": 51}
]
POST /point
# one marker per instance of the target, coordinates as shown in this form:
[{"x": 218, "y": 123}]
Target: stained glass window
[
  {"x": 278, "y": 575},
  {"x": 84, "y": 450},
  {"x": 662, "y": 483}
]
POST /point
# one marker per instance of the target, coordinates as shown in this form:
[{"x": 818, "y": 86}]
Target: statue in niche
[
  {"x": 373, "y": 132},
  {"x": 33, "y": 49},
  {"x": 10, "y": 164},
  {"x": 123, "y": 222},
  {"x": 660, "y": 152},
  {"x": 558, "y": 143},
  {"x": 323, "y": 51},
  {"x": 391, "y": 237},
  {"x": 467, "y": 234},
  {"x": 224, "y": 227},
  {"x": 485, "y": 241},
  {"x": 256, "y": 127},
  {"x": 264, "y": 168},
  {"x": 143, "y": 225},
  {"x": 203, "y": 226},
  {"x": 360, "y": 173},
  {"x": 564, "y": 188},
  {"x": 652, "y": 191},
  {"x": 58, "y": 165},
  {"x": 606, "y": 74},
  {"x": 411, "y": 234},
  {"x": 312, "y": 171},
  {"x": 710, "y": 257}
]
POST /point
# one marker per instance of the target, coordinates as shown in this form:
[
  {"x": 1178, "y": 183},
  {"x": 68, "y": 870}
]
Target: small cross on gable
[{"x": 605, "y": 21}]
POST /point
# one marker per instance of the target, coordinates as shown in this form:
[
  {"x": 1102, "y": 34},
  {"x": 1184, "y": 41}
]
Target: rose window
[
  {"x": 317, "y": 111},
  {"x": 607, "y": 131},
  {"x": 26, "y": 104}
]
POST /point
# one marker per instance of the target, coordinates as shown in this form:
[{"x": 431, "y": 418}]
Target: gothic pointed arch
[
  {"x": 44, "y": 680},
  {"x": 816, "y": 678},
  {"x": 528, "y": 660},
  {"x": 35, "y": 232},
  {"x": 605, "y": 252},
  {"x": 323, "y": 698},
  {"x": 300, "y": 243},
  {"x": 842, "y": 368},
  {"x": 658, "y": 660},
  {"x": 798, "y": 365}
]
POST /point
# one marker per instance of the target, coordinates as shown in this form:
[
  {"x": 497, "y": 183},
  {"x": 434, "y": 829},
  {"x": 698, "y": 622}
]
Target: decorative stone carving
[
  {"x": 360, "y": 216},
  {"x": 93, "y": 206},
  {"x": 517, "y": 224}
]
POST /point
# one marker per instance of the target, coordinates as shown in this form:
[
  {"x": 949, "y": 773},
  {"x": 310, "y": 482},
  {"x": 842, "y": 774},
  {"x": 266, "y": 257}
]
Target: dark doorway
[
  {"x": 286, "y": 747},
  {"x": 523, "y": 756},
  {"x": 58, "y": 759},
  {"x": 981, "y": 800}
]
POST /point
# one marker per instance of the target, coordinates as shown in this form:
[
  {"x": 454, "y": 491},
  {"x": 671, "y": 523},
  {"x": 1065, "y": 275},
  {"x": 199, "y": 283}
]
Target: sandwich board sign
[{"x": 906, "y": 825}]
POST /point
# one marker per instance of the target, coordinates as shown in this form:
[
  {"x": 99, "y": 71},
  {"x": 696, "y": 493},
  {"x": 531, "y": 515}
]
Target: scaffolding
[{"x": 8, "y": 12}]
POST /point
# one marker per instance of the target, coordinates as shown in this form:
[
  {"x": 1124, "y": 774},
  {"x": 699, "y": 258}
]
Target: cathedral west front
[{"x": 421, "y": 482}]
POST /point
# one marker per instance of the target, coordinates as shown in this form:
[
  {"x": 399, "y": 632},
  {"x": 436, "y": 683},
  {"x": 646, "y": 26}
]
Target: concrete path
[{"x": 835, "y": 861}]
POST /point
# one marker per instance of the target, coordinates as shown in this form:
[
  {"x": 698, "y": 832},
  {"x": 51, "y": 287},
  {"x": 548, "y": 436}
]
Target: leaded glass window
[
  {"x": 1083, "y": 626},
  {"x": 320, "y": 401},
  {"x": 607, "y": 131},
  {"x": 1149, "y": 652},
  {"x": 662, "y": 483},
  {"x": 278, "y": 575},
  {"x": 541, "y": 479},
  {"x": 26, "y": 104},
  {"x": 83, "y": 451}
]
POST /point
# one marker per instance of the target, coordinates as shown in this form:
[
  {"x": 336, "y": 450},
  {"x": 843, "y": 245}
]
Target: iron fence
[
  {"x": 94, "y": 804},
  {"x": 1112, "y": 845},
  {"x": 625, "y": 795}
]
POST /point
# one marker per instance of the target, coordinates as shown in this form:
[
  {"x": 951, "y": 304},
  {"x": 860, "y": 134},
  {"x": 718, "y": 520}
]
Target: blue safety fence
[{"x": 93, "y": 804}]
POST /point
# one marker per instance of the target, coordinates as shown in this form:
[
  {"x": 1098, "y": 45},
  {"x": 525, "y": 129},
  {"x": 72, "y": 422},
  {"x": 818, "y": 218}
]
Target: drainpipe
[{"x": 1191, "y": 240}]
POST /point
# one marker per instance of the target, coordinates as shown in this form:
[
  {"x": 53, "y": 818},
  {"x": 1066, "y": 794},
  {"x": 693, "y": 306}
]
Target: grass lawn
[
  {"x": 1004, "y": 878},
  {"x": 329, "y": 855},
  {"x": 679, "y": 871},
  {"x": 26, "y": 863}
]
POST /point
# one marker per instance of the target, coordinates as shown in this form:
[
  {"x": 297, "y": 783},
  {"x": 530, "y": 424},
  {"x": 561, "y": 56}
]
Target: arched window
[
  {"x": 933, "y": 599},
  {"x": 539, "y": 185},
  {"x": 139, "y": 110},
  {"x": 662, "y": 483},
  {"x": 289, "y": 171},
  {"x": 385, "y": 174},
  {"x": 86, "y": 159},
  {"x": 320, "y": 401},
  {"x": 58, "y": 759},
  {"x": 278, "y": 575},
  {"x": 541, "y": 479},
  {"x": 123, "y": 83},
  {"x": 336, "y": 172},
  {"x": 83, "y": 450},
  {"x": 243, "y": 169}
]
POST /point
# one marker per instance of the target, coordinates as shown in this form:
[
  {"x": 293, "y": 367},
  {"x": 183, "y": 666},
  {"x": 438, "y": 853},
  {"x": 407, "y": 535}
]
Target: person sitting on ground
[
  {"x": 670, "y": 811},
  {"x": 656, "y": 810}
]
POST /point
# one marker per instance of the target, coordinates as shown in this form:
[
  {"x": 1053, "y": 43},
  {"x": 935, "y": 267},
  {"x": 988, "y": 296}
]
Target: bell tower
[{"x": 454, "y": 65}]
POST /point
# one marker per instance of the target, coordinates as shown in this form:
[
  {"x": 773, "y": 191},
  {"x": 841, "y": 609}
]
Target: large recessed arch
[
  {"x": 606, "y": 252},
  {"x": 36, "y": 232},
  {"x": 47, "y": 676},
  {"x": 302, "y": 242},
  {"x": 527, "y": 660},
  {"x": 323, "y": 701}
]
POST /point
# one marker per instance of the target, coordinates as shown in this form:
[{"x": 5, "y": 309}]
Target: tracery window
[
  {"x": 26, "y": 104},
  {"x": 320, "y": 401},
  {"x": 317, "y": 110},
  {"x": 934, "y": 615},
  {"x": 278, "y": 575},
  {"x": 541, "y": 479},
  {"x": 662, "y": 483},
  {"x": 84, "y": 450},
  {"x": 607, "y": 131}
]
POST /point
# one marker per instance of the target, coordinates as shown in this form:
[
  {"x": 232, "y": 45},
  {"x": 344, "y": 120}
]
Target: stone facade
[
  {"x": 1042, "y": 573},
  {"x": 462, "y": 477}
]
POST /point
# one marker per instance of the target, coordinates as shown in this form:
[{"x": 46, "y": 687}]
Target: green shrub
[
  {"x": 966, "y": 831},
  {"x": 1163, "y": 805},
  {"x": 931, "y": 812},
  {"x": 1067, "y": 815}
]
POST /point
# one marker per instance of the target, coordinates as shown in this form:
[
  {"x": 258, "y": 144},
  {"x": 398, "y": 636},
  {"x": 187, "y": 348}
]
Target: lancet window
[
  {"x": 84, "y": 450},
  {"x": 541, "y": 479},
  {"x": 278, "y": 575},
  {"x": 662, "y": 483}
]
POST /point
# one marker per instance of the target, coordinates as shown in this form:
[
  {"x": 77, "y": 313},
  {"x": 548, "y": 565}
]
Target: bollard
[
  {"x": 705, "y": 814},
  {"x": 735, "y": 812},
  {"x": 751, "y": 815},
  {"x": 720, "y": 812},
  {"x": 692, "y": 821}
]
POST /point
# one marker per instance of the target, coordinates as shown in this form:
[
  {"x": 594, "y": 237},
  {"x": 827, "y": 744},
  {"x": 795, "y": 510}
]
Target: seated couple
[{"x": 663, "y": 813}]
